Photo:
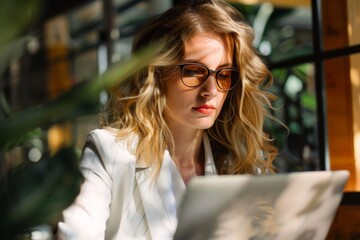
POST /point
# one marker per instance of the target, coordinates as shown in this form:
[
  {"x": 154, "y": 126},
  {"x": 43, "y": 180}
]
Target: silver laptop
[{"x": 294, "y": 206}]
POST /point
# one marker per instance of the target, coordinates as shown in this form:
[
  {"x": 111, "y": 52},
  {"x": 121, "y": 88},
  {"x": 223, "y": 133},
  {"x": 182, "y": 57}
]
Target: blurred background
[{"x": 55, "y": 56}]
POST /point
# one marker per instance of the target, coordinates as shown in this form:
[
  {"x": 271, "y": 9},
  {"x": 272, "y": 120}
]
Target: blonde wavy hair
[{"x": 136, "y": 107}]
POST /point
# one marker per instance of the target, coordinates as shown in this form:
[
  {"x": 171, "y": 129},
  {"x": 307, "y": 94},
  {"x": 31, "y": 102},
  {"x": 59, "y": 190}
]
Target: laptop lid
[{"x": 298, "y": 205}]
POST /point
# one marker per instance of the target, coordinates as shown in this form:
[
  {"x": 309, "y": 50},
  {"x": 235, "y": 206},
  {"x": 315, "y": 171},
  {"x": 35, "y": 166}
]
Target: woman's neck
[{"x": 189, "y": 154}]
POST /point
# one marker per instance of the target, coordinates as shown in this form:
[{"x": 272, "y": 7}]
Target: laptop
[{"x": 296, "y": 206}]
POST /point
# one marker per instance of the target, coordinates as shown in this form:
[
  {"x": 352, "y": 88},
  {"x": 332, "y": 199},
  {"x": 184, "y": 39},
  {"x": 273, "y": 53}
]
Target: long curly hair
[{"x": 136, "y": 107}]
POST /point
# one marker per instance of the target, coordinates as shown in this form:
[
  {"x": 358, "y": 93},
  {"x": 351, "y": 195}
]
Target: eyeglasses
[{"x": 195, "y": 74}]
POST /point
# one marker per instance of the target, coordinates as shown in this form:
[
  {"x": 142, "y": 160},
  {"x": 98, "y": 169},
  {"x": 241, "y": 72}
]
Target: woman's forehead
[{"x": 204, "y": 44}]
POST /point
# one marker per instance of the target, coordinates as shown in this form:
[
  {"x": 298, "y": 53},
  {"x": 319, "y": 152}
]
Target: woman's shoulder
[
  {"x": 107, "y": 136},
  {"x": 101, "y": 134},
  {"x": 104, "y": 142}
]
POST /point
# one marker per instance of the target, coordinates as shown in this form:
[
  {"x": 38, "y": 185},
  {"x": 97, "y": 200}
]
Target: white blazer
[{"x": 119, "y": 198}]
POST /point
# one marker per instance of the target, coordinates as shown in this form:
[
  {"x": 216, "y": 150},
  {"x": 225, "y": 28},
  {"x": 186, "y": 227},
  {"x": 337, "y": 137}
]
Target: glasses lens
[
  {"x": 228, "y": 78},
  {"x": 194, "y": 75}
]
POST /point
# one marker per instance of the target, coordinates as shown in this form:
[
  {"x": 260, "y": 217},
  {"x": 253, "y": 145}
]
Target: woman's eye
[
  {"x": 223, "y": 76},
  {"x": 192, "y": 72}
]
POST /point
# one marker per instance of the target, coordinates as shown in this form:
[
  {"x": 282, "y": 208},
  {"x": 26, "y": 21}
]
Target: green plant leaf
[
  {"x": 308, "y": 101},
  {"x": 23, "y": 139},
  {"x": 13, "y": 50},
  {"x": 78, "y": 101},
  {"x": 15, "y": 15}
]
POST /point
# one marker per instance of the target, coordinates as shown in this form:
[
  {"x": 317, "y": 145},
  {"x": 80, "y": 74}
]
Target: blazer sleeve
[{"x": 86, "y": 217}]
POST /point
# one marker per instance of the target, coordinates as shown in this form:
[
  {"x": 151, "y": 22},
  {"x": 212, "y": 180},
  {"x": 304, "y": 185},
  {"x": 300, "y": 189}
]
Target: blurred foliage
[
  {"x": 15, "y": 15},
  {"x": 35, "y": 193},
  {"x": 80, "y": 100}
]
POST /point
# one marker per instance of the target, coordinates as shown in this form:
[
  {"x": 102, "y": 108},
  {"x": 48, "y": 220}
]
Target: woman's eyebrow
[
  {"x": 192, "y": 61},
  {"x": 199, "y": 62},
  {"x": 225, "y": 65}
]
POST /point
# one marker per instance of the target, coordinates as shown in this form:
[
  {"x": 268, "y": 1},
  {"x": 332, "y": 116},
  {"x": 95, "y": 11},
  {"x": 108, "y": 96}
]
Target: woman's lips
[{"x": 205, "y": 109}]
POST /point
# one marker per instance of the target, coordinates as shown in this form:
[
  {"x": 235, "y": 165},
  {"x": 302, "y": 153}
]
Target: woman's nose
[{"x": 209, "y": 88}]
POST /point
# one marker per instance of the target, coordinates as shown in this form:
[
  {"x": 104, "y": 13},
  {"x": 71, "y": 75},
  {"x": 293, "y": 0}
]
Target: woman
[{"x": 198, "y": 109}]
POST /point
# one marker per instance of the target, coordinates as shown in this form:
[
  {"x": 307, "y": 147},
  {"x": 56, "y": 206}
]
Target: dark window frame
[{"x": 318, "y": 57}]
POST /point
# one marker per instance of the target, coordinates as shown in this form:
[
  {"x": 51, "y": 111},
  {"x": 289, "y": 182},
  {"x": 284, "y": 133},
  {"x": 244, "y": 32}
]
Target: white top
[{"x": 119, "y": 198}]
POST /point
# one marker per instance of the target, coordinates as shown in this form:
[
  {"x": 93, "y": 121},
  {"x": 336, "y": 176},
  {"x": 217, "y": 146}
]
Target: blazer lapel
[{"x": 161, "y": 197}]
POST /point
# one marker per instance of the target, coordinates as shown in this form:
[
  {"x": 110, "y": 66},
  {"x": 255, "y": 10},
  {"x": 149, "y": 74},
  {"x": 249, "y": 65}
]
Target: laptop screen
[{"x": 298, "y": 205}]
